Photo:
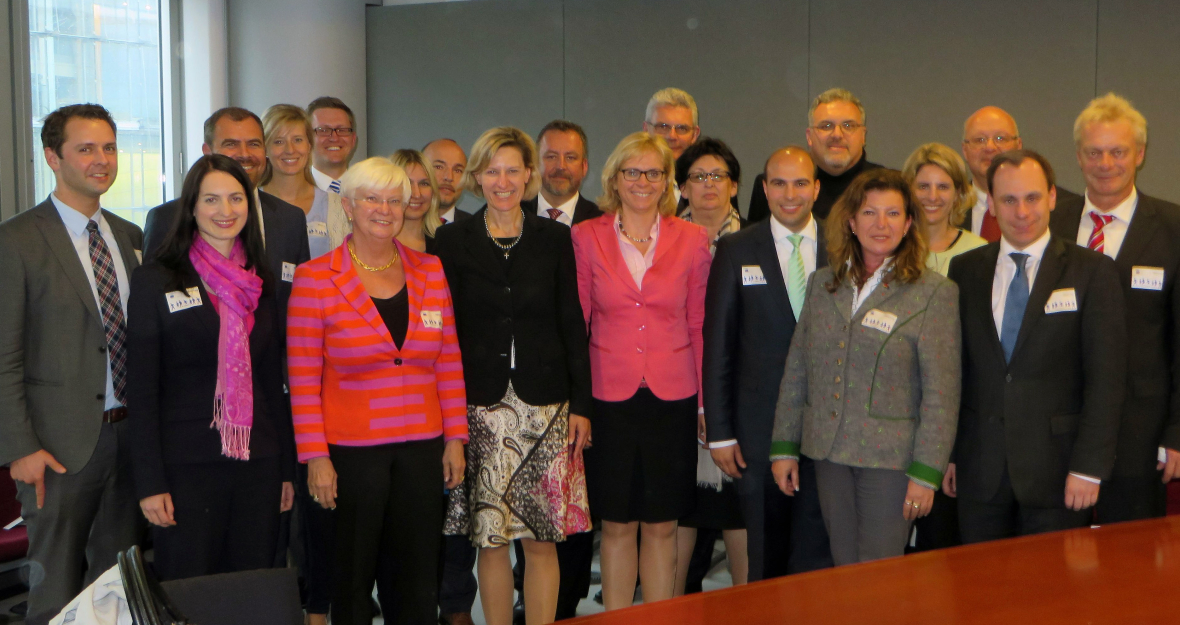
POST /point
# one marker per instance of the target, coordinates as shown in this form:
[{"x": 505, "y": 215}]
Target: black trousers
[
  {"x": 1004, "y": 517},
  {"x": 389, "y": 518},
  {"x": 574, "y": 556},
  {"x": 940, "y": 528},
  {"x": 456, "y": 590},
  {"x": 317, "y": 535},
  {"x": 227, "y": 518},
  {"x": 1132, "y": 498},
  {"x": 794, "y": 537}
]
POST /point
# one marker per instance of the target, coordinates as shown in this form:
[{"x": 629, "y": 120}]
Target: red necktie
[
  {"x": 554, "y": 213},
  {"x": 990, "y": 230},
  {"x": 443, "y": 219},
  {"x": 1097, "y": 239}
]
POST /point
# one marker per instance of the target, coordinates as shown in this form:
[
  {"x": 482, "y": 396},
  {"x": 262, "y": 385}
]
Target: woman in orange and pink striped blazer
[{"x": 378, "y": 400}]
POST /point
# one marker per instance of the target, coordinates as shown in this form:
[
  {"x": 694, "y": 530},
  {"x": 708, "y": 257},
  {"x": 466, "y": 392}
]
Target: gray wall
[{"x": 920, "y": 67}]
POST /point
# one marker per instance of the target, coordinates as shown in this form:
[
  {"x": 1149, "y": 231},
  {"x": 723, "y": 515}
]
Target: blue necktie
[
  {"x": 334, "y": 187},
  {"x": 1014, "y": 306}
]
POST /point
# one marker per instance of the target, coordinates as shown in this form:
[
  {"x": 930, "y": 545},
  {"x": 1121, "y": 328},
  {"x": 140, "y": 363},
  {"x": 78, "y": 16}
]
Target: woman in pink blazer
[{"x": 641, "y": 279}]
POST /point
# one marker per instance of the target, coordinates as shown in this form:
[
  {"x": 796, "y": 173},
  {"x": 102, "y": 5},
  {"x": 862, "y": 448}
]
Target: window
[{"x": 106, "y": 52}]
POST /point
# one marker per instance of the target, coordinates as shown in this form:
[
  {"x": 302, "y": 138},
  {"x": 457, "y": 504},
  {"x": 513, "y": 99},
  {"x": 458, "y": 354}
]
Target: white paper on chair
[
  {"x": 102, "y": 603},
  {"x": 15, "y": 522}
]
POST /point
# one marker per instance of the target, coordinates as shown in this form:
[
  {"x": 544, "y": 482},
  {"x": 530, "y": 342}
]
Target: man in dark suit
[
  {"x": 757, "y": 285},
  {"x": 1044, "y": 366},
  {"x": 836, "y": 137},
  {"x": 564, "y": 155},
  {"x": 64, "y": 272},
  {"x": 449, "y": 162},
  {"x": 1140, "y": 233}
]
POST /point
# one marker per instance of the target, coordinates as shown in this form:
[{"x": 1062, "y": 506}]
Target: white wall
[
  {"x": 206, "y": 81},
  {"x": 293, "y": 51}
]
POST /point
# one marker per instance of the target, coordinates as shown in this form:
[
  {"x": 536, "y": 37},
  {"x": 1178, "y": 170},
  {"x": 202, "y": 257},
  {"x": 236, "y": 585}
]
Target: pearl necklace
[
  {"x": 624, "y": 231},
  {"x": 506, "y": 248}
]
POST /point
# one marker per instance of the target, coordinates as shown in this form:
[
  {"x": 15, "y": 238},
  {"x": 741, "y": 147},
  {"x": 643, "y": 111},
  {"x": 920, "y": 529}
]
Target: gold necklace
[{"x": 352, "y": 252}]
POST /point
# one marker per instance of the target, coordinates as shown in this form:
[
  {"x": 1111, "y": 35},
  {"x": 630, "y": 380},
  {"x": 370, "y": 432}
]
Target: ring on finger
[{"x": 915, "y": 504}]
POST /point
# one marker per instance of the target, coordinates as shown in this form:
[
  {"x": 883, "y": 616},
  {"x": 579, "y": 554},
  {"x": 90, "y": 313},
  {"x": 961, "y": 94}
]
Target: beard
[{"x": 559, "y": 186}]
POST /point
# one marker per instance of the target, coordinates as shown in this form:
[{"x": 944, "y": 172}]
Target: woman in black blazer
[
  {"x": 526, "y": 365},
  {"x": 213, "y": 469}
]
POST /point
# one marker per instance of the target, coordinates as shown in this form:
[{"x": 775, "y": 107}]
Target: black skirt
[{"x": 642, "y": 465}]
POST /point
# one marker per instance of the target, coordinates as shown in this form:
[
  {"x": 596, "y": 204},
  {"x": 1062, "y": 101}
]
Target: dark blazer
[
  {"x": 53, "y": 358},
  {"x": 172, "y": 359},
  {"x": 1151, "y": 412},
  {"x": 461, "y": 215},
  {"x": 534, "y": 302},
  {"x": 747, "y": 334},
  {"x": 830, "y": 189},
  {"x": 286, "y": 239},
  {"x": 583, "y": 210},
  {"x": 1055, "y": 407}
]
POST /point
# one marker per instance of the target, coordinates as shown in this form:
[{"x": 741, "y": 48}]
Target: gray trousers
[
  {"x": 88, "y": 517},
  {"x": 862, "y": 509}
]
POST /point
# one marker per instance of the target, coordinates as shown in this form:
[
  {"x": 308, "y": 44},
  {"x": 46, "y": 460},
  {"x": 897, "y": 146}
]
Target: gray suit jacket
[
  {"x": 864, "y": 397},
  {"x": 53, "y": 358}
]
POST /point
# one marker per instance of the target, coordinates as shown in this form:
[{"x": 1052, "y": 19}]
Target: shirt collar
[
  {"x": 567, "y": 207},
  {"x": 1123, "y": 212},
  {"x": 655, "y": 228},
  {"x": 779, "y": 232},
  {"x": 74, "y": 220},
  {"x": 1036, "y": 250},
  {"x": 322, "y": 180},
  {"x": 980, "y": 197}
]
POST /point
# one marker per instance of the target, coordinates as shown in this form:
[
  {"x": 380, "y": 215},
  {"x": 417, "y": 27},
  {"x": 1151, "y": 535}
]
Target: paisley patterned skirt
[{"x": 523, "y": 479}]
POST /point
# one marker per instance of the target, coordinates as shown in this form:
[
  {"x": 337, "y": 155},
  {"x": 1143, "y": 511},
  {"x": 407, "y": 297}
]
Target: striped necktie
[
  {"x": 796, "y": 276},
  {"x": 554, "y": 213},
  {"x": 1097, "y": 239},
  {"x": 111, "y": 307},
  {"x": 334, "y": 187}
]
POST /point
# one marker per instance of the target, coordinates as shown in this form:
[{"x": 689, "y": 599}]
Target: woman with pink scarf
[{"x": 214, "y": 451}]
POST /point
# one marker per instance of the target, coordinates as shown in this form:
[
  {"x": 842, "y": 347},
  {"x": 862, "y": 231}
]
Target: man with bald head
[
  {"x": 449, "y": 161},
  {"x": 756, "y": 291}
]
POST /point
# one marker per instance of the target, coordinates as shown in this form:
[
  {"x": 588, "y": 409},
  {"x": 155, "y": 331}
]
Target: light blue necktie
[{"x": 1014, "y": 306}]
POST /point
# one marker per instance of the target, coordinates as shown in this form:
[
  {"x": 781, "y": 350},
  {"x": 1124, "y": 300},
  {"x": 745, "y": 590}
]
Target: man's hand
[
  {"x": 786, "y": 475},
  {"x": 288, "y": 498},
  {"x": 454, "y": 463},
  {"x": 158, "y": 509},
  {"x": 579, "y": 428},
  {"x": 729, "y": 459},
  {"x": 949, "y": 485},
  {"x": 1171, "y": 468},
  {"x": 31, "y": 470},
  {"x": 1080, "y": 494}
]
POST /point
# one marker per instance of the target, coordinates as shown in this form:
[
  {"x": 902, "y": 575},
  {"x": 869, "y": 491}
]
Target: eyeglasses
[
  {"x": 373, "y": 202},
  {"x": 848, "y": 127},
  {"x": 701, "y": 176},
  {"x": 325, "y": 132},
  {"x": 1000, "y": 140},
  {"x": 667, "y": 129},
  {"x": 653, "y": 175}
]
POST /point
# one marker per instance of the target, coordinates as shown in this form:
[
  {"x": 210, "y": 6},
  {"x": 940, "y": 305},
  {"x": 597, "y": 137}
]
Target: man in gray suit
[{"x": 63, "y": 362}]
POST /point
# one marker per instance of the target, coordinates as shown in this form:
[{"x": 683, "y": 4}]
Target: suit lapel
[
  {"x": 57, "y": 238},
  {"x": 354, "y": 292},
  {"x": 982, "y": 283},
  {"x": 208, "y": 315},
  {"x": 883, "y": 293},
  {"x": 271, "y": 229},
  {"x": 1139, "y": 233},
  {"x": 126, "y": 248},
  {"x": 1052, "y": 266},
  {"x": 821, "y": 245},
  {"x": 414, "y": 275},
  {"x": 766, "y": 254},
  {"x": 670, "y": 230},
  {"x": 608, "y": 245},
  {"x": 481, "y": 249}
]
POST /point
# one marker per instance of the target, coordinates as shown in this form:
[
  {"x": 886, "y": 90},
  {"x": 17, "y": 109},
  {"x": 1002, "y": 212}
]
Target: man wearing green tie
[{"x": 756, "y": 291}]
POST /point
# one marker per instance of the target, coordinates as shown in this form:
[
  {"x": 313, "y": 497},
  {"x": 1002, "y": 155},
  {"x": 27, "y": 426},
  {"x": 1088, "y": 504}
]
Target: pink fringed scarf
[{"x": 237, "y": 292}]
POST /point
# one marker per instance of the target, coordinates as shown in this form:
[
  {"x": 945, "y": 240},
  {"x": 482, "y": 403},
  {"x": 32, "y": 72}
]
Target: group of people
[{"x": 872, "y": 360}]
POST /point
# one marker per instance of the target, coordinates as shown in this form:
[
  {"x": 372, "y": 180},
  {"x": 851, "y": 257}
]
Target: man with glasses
[
  {"x": 335, "y": 141},
  {"x": 836, "y": 138},
  {"x": 672, "y": 114},
  {"x": 449, "y": 161}
]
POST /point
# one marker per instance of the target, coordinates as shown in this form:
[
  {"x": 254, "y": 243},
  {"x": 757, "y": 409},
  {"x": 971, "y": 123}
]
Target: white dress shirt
[
  {"x": 76, "y": 228},
  {"x": 1114, "y": 232},
  {"x": 978, "y": 211},
  {"x": 859, "y": 295},
  {"x": 638, "y": 262},
  {"x": 448, "y": 217},
  {"x": 567, "y": 209},
  {"x": 322, "y": 180}
]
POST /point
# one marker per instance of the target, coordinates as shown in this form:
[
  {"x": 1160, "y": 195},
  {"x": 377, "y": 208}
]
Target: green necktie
[{"x": 796, "y": 276}]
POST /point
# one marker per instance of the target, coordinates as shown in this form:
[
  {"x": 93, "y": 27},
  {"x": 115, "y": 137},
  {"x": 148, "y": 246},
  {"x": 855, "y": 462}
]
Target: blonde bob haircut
[
  {"x": 845, "y": 256},
  {"x": 405, "y": 158},
  {"x": 1110, "y": 108},
  {"x": 950, "y": 162},
  {"x": 374, "y": 174},
  {"x": 486, "y": 147},
  {"x": 632, "y": 146},
  {"x": 280, "y": 118}
]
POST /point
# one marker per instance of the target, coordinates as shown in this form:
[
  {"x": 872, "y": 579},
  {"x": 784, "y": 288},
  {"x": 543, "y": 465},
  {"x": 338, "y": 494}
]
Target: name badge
[
  {"x": 1062, "y": 300},
  {"x": 432, "y": 319},
  {"x": 752, "y": 275},
  {"x": 288, "y": 272},
  {"x": 1149, "y": 278},
  {"x": 879, "y": 320},
  {"x": 178, "y": 301},
  {"x": 317, "y": 229}
]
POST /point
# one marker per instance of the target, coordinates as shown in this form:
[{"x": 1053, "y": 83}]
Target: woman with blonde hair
[
  {"x": 421, "y": 218},
  {"x": 641, "y": 280},
  {"x": 289, "y": 142},
  {"x": 943, "y": 187}
]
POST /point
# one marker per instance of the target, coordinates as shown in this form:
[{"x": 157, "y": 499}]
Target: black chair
[{"x": 148, "y": 602}]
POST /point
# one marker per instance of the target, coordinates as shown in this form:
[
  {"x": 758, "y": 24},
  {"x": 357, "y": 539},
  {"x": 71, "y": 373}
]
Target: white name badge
[
  {"x": 432, "y": 319},
  {"x": 879, "y": 320},
  {"x": 1149, "y": 278},
  {"x": 178, "y": 301},
  {"x": 288, "y": 272},
  {"x": 752, "y": 275},
  {"x": 317, "y": 229},
  {"x": 1062, "y": 300}
]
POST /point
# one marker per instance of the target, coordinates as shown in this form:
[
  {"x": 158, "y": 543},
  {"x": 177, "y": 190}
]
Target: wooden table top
[{"x": 1127, "y": 574}]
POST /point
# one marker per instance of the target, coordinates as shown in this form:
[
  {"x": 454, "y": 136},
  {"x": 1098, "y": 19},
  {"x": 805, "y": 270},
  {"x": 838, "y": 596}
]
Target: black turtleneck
[{"x": 830, "y": 189}]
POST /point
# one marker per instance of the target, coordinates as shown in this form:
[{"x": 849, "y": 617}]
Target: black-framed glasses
[
  {"x": 701, "y": 176},
  {"x": 848, "y": 127},
  {"x": 1000, "y": 140},
  {"x": 325, "y": 132},
  {"x": 632, "y": 174},
  {"x": 667, "y": 129}
]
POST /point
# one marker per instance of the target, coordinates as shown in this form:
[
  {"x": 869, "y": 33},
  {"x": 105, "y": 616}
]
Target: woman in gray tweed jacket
[{"x": 871, "y": 388}]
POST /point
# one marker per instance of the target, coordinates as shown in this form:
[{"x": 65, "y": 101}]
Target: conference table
[{"x": 1126, "y": 573}]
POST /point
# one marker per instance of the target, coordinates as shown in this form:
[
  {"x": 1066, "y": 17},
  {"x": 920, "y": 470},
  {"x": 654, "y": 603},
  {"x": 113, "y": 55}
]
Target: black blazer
[
  {"x": 286, "y": 239},
  {"x": 1151, "y": 413},
  {"x": 830, "y": 189},
  {"x": 583, "y": 210},
  {"x": 1055, "y": 407},
  {"x": 535, "y": 302},
  {"x": 172, "y": 361},
  {"x": 747, "y": 333}
]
